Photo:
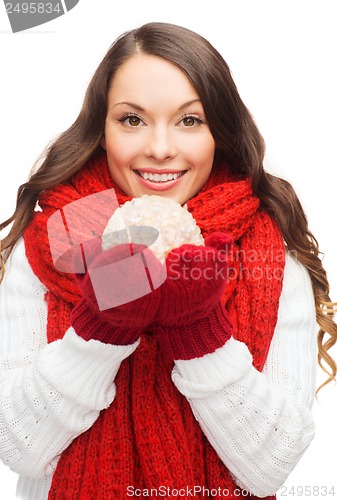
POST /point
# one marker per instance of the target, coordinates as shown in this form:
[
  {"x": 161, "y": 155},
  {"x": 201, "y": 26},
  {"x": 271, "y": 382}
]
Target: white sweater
[{"x": 260, "y": 424}]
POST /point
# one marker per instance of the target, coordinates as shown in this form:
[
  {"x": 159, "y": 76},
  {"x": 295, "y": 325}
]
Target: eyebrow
[
  {"x": 139, "y": 108},
  {"x": 132, "y": 104},
  {"x": 188, "y": 103}
]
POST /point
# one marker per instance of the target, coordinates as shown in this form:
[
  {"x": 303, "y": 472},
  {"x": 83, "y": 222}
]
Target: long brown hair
[{"x": 237, "y": 138}]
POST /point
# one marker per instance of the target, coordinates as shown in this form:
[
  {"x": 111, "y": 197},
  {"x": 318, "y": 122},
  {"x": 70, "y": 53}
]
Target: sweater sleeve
[
  {"x": 260, "y": 424},
  {"x": 49, "y": 393}
]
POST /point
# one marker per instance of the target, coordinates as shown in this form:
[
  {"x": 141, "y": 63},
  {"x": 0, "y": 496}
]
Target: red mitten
[
  {"x": 191, "y": 320},
  {"x": 118, "y": 301}
]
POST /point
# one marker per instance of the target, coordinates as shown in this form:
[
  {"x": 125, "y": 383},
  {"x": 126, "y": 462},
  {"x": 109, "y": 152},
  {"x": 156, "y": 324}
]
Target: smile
[{"x": 160, "y": 177}]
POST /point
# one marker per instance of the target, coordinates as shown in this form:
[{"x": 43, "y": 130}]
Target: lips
[
  {"x": 156, "y": 177},
  {"x": 159, "y": 181}
]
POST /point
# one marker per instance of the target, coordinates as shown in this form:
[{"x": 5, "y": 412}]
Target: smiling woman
[{"x": 206, "y": 381}]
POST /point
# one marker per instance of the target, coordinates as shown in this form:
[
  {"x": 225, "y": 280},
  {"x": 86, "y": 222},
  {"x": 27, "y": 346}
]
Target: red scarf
[{"x": 149, "y": 437}]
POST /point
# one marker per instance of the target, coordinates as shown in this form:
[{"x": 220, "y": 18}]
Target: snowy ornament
[{"x": 159, "y": 223}]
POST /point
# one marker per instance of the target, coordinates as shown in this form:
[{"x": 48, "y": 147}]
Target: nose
[{"x": 160, "y": 144}]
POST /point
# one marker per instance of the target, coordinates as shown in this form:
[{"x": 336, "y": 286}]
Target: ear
[{"x": 102, "y": 143}]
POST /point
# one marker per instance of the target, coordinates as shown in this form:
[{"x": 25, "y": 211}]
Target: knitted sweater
[{"x": 51, "y": 393}]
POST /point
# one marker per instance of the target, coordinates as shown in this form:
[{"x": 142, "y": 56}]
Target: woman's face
[{"x": 156, "y": 137}]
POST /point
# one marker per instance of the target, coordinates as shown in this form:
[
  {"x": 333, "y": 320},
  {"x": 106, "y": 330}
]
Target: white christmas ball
[{"x": 148, "y": 218}]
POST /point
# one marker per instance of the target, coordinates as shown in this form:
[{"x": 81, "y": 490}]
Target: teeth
[{"x": 159, "y": 177}]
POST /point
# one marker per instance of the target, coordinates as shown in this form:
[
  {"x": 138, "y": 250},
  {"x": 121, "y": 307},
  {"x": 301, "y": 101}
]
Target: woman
[{"x": 203, "y": 385}]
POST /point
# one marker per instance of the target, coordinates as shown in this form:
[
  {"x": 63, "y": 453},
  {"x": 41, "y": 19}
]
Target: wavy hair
[{"x": 238, "y": 143}]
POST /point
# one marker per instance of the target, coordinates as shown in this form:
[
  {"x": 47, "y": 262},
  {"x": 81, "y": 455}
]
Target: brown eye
[
  {"x": 134, "y": 121},
  {"x": 191, "y": 121},
  {"x": 188, "y": 121},
  {"x": 130, "y": 120}
]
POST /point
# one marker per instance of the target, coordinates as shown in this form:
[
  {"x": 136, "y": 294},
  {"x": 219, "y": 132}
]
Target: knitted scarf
[{"x": 148, "y": 437}]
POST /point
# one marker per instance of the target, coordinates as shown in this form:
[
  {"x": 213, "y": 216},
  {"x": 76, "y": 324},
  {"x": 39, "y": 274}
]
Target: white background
[{"x": 283, "y": 59}]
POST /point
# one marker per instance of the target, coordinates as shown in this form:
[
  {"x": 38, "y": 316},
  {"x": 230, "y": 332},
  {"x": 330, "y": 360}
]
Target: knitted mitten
[
  {"x": 191, "y": 320},
  {"x": 118, "y": 301}
]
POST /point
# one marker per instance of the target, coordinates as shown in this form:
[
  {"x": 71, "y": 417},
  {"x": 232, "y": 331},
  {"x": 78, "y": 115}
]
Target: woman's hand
[
  {"x": 191, "y": 320},
  {"x": 118, "y": 301}
]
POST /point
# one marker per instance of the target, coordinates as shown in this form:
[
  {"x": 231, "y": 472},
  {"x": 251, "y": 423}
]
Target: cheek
[
  {"x": 203, "y": 151},
  {"x": 202, "y": 142},
  {"x": 119, "y": 150}
]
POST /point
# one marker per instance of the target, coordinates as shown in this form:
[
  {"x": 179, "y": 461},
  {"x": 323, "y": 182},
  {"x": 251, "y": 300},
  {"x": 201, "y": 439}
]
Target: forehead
[{"x": 151, "y": 77}]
